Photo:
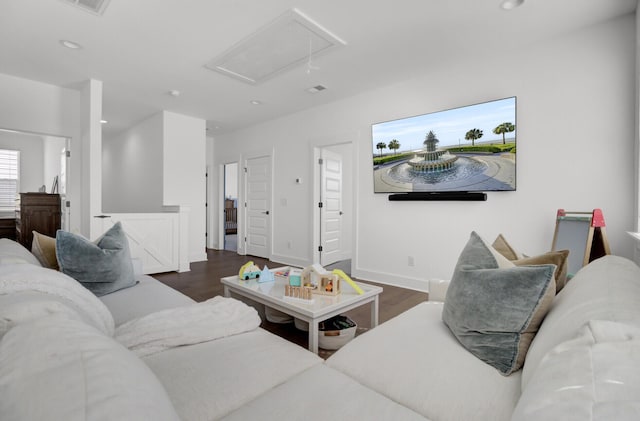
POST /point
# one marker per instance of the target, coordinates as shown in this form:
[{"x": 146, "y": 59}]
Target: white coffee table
[{"x": 271, "y": 294}]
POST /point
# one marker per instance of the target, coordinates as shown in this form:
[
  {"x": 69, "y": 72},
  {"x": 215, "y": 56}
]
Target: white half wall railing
[{"x": 158, "y": 240}]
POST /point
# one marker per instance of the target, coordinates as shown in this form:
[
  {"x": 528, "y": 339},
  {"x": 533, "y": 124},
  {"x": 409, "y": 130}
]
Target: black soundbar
[{"x": 465, "y": 196}]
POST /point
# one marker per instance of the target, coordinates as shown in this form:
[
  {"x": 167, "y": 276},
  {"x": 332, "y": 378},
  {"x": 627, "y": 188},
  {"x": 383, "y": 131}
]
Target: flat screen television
[{"x": 465, "y": 149}]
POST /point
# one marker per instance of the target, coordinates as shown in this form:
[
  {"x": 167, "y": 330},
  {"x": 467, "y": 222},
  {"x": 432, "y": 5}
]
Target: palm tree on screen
[
  {"x": 381, "y": 146},
  {"x": 473, "y": 135},
  {"x": 394, "y": 145},
  {"x": 503, "y": 129}
]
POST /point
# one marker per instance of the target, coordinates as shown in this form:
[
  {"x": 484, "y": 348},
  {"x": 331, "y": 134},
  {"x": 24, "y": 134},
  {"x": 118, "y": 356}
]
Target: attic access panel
[
  {"x": 288, "y": 41},
  {"x": 92, "y": 6}
]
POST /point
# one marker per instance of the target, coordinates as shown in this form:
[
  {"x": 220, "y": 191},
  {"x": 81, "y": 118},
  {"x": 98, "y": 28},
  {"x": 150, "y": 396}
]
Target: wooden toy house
[{"x": 328, "y": 284}]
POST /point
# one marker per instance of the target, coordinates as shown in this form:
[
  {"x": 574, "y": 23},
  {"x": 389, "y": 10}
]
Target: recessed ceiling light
[
  {"x": 70, "y": 44},
  {"x": 174, "y": 92},
  {"x": 255, "y": 102},
  {"x": 511, "y": 4},
  {"x": 103, "y": 121}
]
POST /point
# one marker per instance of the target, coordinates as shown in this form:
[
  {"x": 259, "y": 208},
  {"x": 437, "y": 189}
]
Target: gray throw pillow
[
  {"x": 494, "y": 308},
  {"x": 102, "y": 267}
]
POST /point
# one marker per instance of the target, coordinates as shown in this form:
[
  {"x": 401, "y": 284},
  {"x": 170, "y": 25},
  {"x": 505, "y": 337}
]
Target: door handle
[{"x": 102, "y": 216}]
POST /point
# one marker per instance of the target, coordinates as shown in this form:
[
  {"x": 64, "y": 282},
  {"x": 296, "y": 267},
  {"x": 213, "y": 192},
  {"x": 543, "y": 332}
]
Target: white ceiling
[{"x": 142, "y": 49}]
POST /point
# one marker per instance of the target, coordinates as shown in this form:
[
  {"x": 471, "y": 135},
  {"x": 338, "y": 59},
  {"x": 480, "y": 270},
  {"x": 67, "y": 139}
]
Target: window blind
[{"x": 8, "y": 179}]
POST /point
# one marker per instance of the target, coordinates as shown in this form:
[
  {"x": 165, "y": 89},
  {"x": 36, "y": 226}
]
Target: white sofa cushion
[
  {"x": 208, "y": 380},
  {"x": 57, "y": 368},
  {"x": 593, "y": 377},
  {"x": 148, "y": 296},
  {"x": 12, "y": 252},
  {"x": 606, "y": 289},
  {"x": 416, "y": 361},
  {"x": 34, "y": 286},
  {"x": 322, "y": 393}
]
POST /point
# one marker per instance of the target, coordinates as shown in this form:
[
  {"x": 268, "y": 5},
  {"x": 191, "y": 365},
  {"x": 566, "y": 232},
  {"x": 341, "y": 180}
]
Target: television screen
[{"x": 466, "y": 149}]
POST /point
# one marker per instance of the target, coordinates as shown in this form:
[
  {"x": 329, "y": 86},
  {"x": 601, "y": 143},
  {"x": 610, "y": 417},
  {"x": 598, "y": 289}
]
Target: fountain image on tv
[{"x": 465, "y": 149}]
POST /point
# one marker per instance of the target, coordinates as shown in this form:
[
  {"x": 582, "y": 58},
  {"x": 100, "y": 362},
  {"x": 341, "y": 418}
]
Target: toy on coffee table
[
  {"x": 249, "y": 271},
  {"x": 326, "y": 283},
  {"x": 266, "y": 275},
  {"x": 297, "y": 289},
  {"x": 348, "y": 280},
  {"x": 301, "y": 292},
  {"x": 282, "y": 273}
]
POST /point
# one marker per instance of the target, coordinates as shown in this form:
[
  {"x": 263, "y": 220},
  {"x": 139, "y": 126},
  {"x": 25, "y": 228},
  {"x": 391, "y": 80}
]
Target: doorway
[
  {"x": 333, "y": 219},
  {"x": 44, "y": 165},
  {"x": 230, "y": 200}
]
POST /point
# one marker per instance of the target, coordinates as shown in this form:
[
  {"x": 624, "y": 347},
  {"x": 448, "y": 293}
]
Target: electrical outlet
[{"x": 410, "y": 261}]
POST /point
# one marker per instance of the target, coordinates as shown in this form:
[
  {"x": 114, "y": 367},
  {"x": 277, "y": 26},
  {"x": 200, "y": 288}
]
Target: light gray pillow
[
  {"x": 495, "y": 308},
  {"x": 102, "y": 267}
]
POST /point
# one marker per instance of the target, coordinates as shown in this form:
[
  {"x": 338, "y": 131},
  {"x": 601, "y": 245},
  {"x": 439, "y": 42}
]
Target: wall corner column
[{"x": 91, "y": 185}]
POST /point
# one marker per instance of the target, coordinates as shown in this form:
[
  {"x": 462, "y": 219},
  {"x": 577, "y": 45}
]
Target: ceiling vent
[
  {"x": 316, "y": 89},
  {"x": 289, "y": 41},
  {"x": 97, "y": 7}
]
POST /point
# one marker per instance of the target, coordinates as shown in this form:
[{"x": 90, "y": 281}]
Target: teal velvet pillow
[
  {"x": 102, "y": 267},
  {"x": 495, "y": 308}
]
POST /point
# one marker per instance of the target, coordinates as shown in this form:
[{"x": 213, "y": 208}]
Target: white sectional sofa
[{"x": 59, "y": 360}]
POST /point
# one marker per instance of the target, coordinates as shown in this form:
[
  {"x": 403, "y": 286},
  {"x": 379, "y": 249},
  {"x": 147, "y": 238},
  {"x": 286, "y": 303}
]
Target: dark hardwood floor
[{"x": 203, "y": 282}]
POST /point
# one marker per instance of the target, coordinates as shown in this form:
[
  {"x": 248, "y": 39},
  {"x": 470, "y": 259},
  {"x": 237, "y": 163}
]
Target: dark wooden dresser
[
  {"x": 37, "y": 212},
  {"x": 8, "y": 228}
]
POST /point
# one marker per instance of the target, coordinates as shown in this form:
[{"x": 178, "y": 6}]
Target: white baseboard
[
  {"x": 290, "y": 260},
  {"x": 198, "y": 257}
]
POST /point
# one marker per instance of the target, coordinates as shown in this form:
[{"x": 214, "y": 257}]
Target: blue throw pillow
[
  {"x": 102, "y": 267},
  {"x": 495, "y": 308}
]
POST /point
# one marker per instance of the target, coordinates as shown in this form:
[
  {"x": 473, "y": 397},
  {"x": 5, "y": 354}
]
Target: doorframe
[
  {"x": 66, "y": 210},
  {"x": 68, "y": 195},
  {"x": 221, "y": 209},
  {"x": 242, "y": 197},
  {"x": 220, "y": 203},
  {"x": 317, "y": 182}
]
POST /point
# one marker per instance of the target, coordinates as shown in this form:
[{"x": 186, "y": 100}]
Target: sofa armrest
[{"x": 438, "y": 289}]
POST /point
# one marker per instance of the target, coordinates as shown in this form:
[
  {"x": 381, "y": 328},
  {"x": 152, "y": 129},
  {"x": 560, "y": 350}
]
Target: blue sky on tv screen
[{"x": 449, "y": 126}]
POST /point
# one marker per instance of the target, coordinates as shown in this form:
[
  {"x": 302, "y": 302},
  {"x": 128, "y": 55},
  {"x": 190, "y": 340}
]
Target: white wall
[
  {"x": 132, "y": 173},
  {"x": 575, "y": 151},
  {"x": 52, "y": 151},
  {"x": 212, "y": 242},
  {"x": 46, "y": 109},
  {"x": 637, "y": 137},
  {"x": 31, "y": 158},
  {"x": 159, "y": 163},
  {"x": 91, "y": 137},
  {"x": 184, "y": 174}
]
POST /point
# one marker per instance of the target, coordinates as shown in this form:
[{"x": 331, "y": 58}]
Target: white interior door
[
  {"x": 258, "y": 206},
  {"x": 331, "y": 210}
]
